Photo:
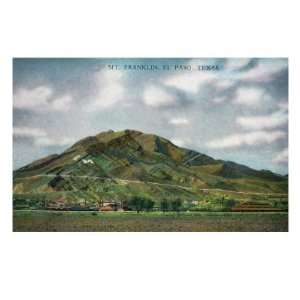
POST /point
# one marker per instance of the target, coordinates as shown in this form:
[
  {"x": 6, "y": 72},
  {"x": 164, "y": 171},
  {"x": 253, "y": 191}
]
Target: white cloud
[
  {"x": 284, "y": 105},
  {"x": 157, "y": 97},
  {"x": 219, "y": 99},
  {"x": 178, "y": 142},
  {"x": 263, "y": 122},
  {"x": 34, "y": 99},
  {"x": 179, "y": 121},
  {"x": 237, "y": 63},
  {"x": 41, "y": 99},
  {"x": 223, "y": 84},
  {"x": 192, "y": 81},
  {"x": 281, "y": 157},
  {"x": 250, "y": 96},
  {"x": 263, "y": 71},
  {"x": 40, "y": 137},
  {"x": 28, "y": 132},
  {"x": 110, "y": 89},
  {"x": 51, "y": 141},
  {"x": 247, "y": 139},
  {"x": 62, "y": 103}
]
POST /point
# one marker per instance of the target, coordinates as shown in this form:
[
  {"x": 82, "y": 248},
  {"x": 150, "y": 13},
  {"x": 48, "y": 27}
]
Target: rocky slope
[{"x": 117, "y": 165}]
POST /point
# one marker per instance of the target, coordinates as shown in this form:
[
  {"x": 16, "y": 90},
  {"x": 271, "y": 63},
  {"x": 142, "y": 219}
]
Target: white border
[{"x": 147, "y": 266}]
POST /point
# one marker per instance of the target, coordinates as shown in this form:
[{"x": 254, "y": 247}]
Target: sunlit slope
[{"x": 121, "y": 164}]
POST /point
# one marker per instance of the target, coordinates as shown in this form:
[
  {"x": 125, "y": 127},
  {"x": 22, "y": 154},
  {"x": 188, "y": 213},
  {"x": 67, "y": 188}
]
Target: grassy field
[{"x": 38, "y": 220}]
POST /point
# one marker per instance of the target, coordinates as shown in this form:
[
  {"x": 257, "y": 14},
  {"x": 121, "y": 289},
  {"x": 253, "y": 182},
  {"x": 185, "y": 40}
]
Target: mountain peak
[
  {"x": 132, "y": 131},
  {"x": 133, "y": 155}
]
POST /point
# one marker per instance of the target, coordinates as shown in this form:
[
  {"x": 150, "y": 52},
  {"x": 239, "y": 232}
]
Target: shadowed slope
[{"x": 119, "y": 165}]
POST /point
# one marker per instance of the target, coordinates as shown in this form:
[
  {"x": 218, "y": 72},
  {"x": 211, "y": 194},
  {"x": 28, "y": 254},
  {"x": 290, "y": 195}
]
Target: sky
[{"x": 233, "y": 109}]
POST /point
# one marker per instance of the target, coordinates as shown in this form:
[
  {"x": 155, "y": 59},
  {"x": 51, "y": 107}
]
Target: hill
[{"x": 115, "y": 166}]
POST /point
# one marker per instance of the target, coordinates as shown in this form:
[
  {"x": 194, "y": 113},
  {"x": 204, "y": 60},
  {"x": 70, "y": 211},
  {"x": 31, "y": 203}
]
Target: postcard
[{"x": 150, "y": 144}]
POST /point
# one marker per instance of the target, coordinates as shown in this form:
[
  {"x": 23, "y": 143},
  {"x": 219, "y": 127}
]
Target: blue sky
[{"x": 238, "y": 112}]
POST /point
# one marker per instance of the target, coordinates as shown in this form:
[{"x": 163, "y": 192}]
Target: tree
[
  {"x": 148, "y": 204},
  {"x": 164, "y": 205},
  {"x": 100, "y": 202},
  {"x": 176, "y": 205},
  {"x": 124, "y": 204},
  {"x": 137, "y": 203},
  {"x": 229, "y": 204}
]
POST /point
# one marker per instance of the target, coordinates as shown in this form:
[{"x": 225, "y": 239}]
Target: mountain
[{"x": 113, "y": 166}]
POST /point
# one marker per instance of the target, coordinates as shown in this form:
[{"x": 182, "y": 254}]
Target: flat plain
[{"x": 68, "y": 221}]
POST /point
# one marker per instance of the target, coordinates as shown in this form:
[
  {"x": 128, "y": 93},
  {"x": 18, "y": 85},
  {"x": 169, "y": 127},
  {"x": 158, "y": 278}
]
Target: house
[
  {"x": 109, "y": 206},
  {"x": 87, "y": 161}
]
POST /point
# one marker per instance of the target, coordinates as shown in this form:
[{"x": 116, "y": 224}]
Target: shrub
[
  {"x": 176, "y": 204},
  {"x": 148, "y": 204},
  {"x": 137, "y": 203},
  {"x": 164, "y": 205}
]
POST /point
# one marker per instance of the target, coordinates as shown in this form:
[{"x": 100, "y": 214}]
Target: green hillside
[{"x": 116, "y": 166}]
